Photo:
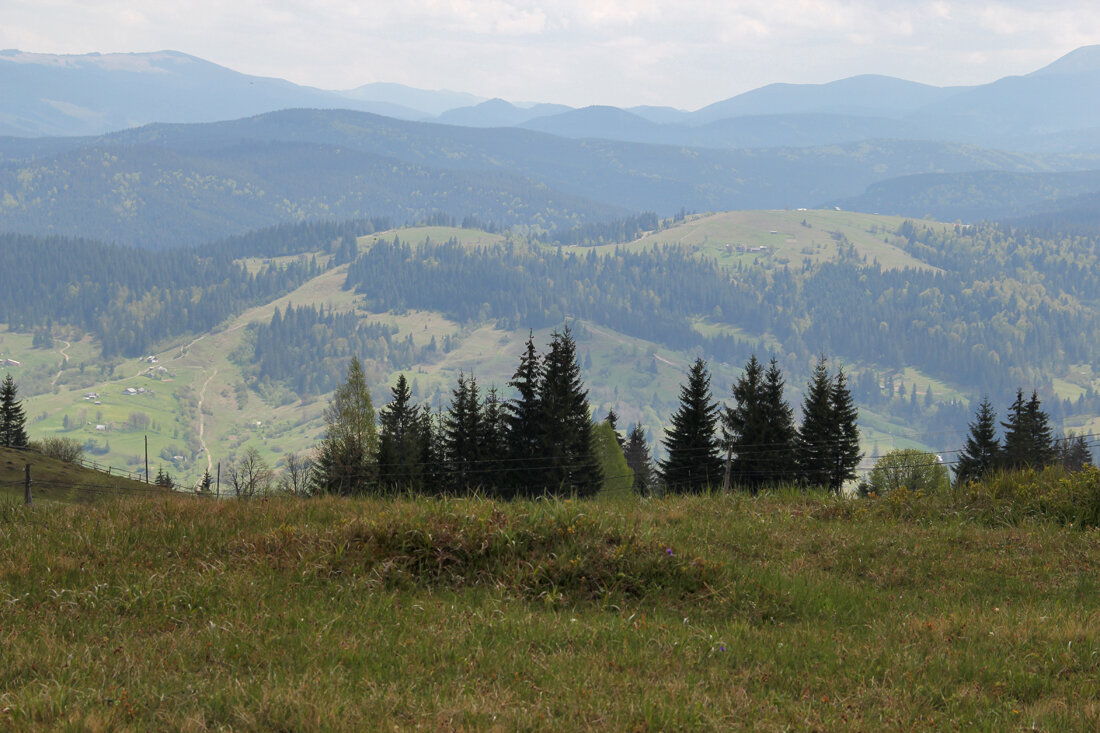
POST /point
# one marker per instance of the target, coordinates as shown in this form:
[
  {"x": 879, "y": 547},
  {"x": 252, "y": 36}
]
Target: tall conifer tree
[
  {"x": 400, "y": 441},
  {"x": 569, "y": 464},
  {"x": 982, "y": 452},
  {"x": 13, "y": 433},
  {"x": 523, "y": 424},
  {"x": 692, "y": 462}
]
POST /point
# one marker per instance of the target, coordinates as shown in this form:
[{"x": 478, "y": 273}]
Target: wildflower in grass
[{"x": 668, "y": 551}]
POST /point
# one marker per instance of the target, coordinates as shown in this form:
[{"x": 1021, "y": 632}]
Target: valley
[{"x": 200, "y": 401}]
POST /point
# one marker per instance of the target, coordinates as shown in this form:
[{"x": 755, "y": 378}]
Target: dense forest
[{"x": 131, "y": 299}]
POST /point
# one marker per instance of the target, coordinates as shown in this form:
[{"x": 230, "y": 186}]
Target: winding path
[
  {"x": 63, "y": 356},
  {"x": 202, "y": 422}
]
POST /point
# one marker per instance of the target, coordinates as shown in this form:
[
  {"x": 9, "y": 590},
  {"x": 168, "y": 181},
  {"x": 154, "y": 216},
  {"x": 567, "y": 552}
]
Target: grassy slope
[
  {"x": 53, "y": 480},
  {"x": 689, "y": 613}
]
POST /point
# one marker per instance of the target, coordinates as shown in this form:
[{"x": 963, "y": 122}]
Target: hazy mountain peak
[{"x": 1079, "y": 61}]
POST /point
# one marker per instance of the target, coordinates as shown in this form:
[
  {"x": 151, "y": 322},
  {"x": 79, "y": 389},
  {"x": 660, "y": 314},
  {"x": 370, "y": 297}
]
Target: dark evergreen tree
[
  {"x": 760, "y": 429},
  {"x": 744, "y": 428},
  {"x": 400, "y": 441},
  {"x": 523, "y": 426},
  {"x": 1028, "y": 438},
  {"x": 494, "y": 444},
  {"x": 462, "y": 435},
  {"x": 612, "y": 419},
  {"x": 982, "y": 452},
  {"x": 13, "y": 433},
  {"x": 781, "y": 464},
  {"x": 846, "y": 452},
  {"x": 828, "y": 440},
  {"x": 692, "y": 462},
  {"x": 568, "y": 464},
  {"x": 818, "y": 431},
  {"x": 638, "y": 459},
  {"x": 1073, "y": 452}
]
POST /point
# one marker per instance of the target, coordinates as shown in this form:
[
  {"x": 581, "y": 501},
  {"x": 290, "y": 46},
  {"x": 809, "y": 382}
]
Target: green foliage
[
  {"x": 130, "y": 298},
  {"x": 618, "y": 478},
  {"x": 61, "y": 448},
  {"x": 915, "y": 470},
  {"x": 345, "y": 459}
]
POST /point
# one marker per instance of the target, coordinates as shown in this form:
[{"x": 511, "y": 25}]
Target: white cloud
[{"x": 686, "y": 53}]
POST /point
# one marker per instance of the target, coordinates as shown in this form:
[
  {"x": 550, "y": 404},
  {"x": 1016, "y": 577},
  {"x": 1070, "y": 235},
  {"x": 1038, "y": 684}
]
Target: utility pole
[
  {"x": 27, "y": 484},
  {"x": 146, "y": 459},
  {"x": 219, "y": 485}
]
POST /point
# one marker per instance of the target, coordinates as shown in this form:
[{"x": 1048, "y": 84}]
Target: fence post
[{"x": 27, "y": 484}]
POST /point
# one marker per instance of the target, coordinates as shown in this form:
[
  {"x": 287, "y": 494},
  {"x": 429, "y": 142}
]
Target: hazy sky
[{"x": 685, "y": 53}]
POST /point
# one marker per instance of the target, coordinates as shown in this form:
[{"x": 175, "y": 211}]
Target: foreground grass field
[{"x": 710, "y": 612}]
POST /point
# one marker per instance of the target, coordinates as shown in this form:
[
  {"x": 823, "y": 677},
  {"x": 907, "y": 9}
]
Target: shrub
[{"x": 63, "y": 449}]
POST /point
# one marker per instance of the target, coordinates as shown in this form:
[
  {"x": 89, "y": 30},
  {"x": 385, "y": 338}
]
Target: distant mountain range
[
  {"x": 165, "y": 185},
  {"x": 1054, "y": 109},
  {"x": 197, "y": 151}
]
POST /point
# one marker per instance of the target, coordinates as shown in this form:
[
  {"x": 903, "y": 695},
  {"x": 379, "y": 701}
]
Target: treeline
[
  {"x": 282, "y": 240},
  {"x": 130, "y": 298},
  {"x": 542, "y": 441},
  {"x": 1028, "y": 442},
  {"x": 618, "y": 231}
]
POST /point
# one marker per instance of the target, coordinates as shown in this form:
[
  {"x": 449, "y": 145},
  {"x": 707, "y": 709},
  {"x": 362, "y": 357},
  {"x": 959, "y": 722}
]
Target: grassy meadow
[{"x": 976, "y": 610}]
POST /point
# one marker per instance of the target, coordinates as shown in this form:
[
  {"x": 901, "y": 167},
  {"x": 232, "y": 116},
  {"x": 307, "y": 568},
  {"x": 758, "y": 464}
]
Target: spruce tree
[
  {"x": 982, "y": 452},
  {"x": 845, "y": 449},
  {"x": 743, "y": 426},
  {"x": 638, "y": 459},
  {"x": 494, "y": 444},
  {"x": 1028, "y": 442},
  {"x": 568, "y": 463},
  {"x": 400, "y": 441},
  {"x": 522, "y": 425},
  {"x": 780, "y": 465},
  {"x": 828, "y": 441},
  {"x": 692, "y": 462},
  {"x": 13, "y": 433},
  {"x": 760, "y": 428},
  {"x": 345, "y": 456},
  {"x": 462, "y": 434},
  {"x": 1073, "y": 452},
  {"x": 817, "y": 432}
]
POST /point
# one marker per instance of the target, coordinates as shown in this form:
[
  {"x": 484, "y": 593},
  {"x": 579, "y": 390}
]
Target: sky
[{"x": 681, "y": 53}]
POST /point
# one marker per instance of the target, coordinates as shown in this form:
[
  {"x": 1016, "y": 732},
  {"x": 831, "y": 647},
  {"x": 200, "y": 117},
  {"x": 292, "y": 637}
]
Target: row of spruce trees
[
  {"x": 543, "y": 441},
  {"x": 1029, "y": 442}
]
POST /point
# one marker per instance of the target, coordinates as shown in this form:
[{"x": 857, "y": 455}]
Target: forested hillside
[{"x": 923, "y": 317}]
